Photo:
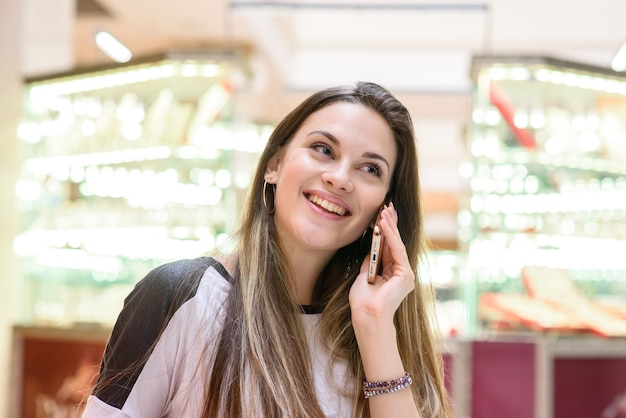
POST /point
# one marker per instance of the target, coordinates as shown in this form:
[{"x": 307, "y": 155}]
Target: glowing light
[{"x": 112, "y": 47}]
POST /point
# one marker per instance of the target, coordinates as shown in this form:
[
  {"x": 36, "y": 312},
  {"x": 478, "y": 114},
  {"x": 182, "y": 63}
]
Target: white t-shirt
[{"x": 171, "y": 383}]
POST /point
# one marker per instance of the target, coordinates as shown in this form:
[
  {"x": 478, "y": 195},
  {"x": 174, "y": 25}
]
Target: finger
[
  {"x": 390, "y": 229},
  {"x": 394, "y": 213},
  {"x": 393, "y": 241}
]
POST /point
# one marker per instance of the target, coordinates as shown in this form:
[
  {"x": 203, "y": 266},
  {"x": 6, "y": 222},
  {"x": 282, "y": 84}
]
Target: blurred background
[{"x": 129, "y": 131}]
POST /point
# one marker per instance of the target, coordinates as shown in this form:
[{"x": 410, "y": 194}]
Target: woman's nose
[{"x": 339, "y": 176}]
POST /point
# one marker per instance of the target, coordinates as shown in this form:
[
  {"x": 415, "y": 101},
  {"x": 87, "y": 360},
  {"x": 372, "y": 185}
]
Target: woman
[{"x": 288, "y": 325}]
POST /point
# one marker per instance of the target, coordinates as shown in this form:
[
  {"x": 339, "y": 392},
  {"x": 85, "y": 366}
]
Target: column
[
  {"x": 10, "y": 109},
  {"x": 35, "y": 39}
]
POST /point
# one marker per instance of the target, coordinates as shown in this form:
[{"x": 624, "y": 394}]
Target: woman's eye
[
  {"x": 374, "y": 169},
  {"x": 323, "y": 149}
]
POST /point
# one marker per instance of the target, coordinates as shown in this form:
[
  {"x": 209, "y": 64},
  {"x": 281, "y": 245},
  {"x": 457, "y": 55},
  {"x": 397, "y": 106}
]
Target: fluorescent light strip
[
  {"x": 619, "y": 60},
  {"x": 107, "y": 79},
  {"x": 112, "y": 47}
]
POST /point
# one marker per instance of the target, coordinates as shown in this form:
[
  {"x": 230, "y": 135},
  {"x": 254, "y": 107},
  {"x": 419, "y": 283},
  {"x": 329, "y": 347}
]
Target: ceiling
[{"x": 407, "y": 45}]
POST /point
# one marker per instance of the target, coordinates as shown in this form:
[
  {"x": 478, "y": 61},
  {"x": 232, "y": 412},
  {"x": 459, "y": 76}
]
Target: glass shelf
[{"x": 124, "y": 168}]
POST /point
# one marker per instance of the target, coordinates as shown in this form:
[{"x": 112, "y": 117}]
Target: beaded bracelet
[{"x": 380, "y": 388}]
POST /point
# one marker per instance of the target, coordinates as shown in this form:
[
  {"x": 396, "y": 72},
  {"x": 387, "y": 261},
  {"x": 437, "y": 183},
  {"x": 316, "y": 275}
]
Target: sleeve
[{"x": 146, "y": 312}]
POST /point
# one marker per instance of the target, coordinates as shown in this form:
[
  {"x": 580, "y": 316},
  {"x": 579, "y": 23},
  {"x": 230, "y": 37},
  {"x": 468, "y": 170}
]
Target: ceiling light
[
  {"x": 619, "y": 60},
  {"x": 112, "y": 47}
]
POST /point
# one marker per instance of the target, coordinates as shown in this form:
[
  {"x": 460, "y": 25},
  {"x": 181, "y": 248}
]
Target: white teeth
[{"x": 329, "y": 206}]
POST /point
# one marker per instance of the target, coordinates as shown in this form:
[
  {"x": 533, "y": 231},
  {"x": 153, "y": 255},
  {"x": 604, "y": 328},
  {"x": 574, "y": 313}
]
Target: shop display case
[
  {"x": 123, "y": 168},
  {"x": 544, "y": 227},
  {"x": 544, "y": 231}
]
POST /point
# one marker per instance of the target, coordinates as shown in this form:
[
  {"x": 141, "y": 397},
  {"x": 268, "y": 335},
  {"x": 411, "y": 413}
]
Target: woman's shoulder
[
  {"x": 162, "y": 291},
  {"x": 161, "y": 308}
]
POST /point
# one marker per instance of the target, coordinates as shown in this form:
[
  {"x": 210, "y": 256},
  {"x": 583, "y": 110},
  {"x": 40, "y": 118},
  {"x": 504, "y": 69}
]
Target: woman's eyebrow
[
  {"x": 334, "y": 140},
  {"x": 327, "y": 134}
]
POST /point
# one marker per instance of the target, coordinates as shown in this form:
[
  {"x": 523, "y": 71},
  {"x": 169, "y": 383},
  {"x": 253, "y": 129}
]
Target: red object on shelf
[
  {"x": 555, "y": 287},
  {"x": 497, "y": 98},
  {"x": 522, "y": 310}
]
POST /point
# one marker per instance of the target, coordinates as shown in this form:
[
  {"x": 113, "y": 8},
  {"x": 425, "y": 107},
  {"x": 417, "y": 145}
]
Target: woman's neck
[{"x": 306, "y": 267}]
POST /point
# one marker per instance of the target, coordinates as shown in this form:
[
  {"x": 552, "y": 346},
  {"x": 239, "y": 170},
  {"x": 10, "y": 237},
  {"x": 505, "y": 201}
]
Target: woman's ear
[{"x": 271, "y": 170}]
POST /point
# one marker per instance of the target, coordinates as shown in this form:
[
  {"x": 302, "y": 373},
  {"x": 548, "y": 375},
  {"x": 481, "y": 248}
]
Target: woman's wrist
[{"x": 378, "y": 346}]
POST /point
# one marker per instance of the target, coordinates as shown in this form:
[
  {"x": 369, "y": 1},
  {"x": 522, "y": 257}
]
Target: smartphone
[{"x": 376, "y": 252}]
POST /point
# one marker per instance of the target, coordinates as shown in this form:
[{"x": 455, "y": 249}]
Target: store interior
[{"x": 108, "y": 169}]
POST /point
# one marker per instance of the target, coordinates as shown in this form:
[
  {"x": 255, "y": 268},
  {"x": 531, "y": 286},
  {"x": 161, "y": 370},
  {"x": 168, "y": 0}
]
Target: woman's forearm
[{"x": 382, "y": 363}]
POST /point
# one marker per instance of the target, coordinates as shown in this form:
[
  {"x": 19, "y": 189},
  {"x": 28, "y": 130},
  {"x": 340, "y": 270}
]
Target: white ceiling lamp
[
  {"x": 112, "y": 47},
  {"x": 619, "y": 60}
]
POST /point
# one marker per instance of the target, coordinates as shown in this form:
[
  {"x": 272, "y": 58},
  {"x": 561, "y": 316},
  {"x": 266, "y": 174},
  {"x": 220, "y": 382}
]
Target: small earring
[{"x": 267, "y": 208}]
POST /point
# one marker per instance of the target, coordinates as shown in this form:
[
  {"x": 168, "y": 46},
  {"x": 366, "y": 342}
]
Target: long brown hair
[{"x": 262, "y": 360}]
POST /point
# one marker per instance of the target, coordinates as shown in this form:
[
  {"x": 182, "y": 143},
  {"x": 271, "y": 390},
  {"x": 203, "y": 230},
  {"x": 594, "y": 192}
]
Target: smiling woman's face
[{"x": 332, "y": 177}]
